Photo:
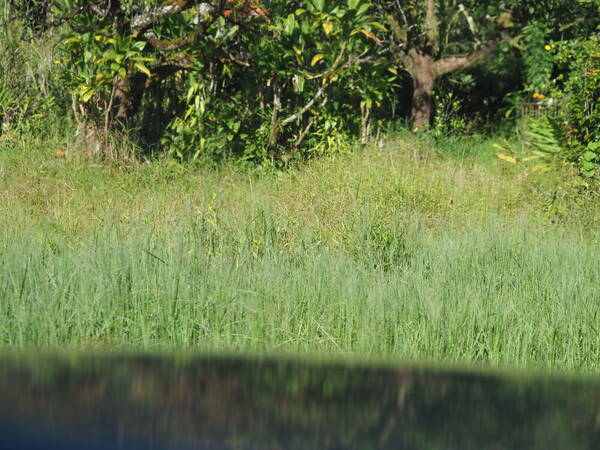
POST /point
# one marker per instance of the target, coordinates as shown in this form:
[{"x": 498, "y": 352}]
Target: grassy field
[{"x": 409, "y": 251}]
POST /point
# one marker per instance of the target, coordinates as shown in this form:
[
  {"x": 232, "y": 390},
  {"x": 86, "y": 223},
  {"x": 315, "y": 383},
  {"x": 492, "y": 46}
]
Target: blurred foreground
[{"x": 151, "y": 402}]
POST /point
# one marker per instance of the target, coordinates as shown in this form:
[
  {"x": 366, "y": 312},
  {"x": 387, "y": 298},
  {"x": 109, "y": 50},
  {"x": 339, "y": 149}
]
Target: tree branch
[
  {"x": 453, "y": 63},
  {"x": 470, "y": 21},
  {"x": 201, "y": 26},
  {"x": 303, "y": 134},
  {"x": 321, "y": 90},
  {"x": 166, "y": 46},
  {"x": 98, "y": 10},
  {"x": 305, "y": 108},
  {"x": 145, "y": 20},
  {"x": 431, "y": 23},
  {"x": 274, "y": 134}
]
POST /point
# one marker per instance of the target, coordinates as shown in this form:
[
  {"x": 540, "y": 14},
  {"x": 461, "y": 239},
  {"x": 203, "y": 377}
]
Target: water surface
[{"x": 153, "y": 402}]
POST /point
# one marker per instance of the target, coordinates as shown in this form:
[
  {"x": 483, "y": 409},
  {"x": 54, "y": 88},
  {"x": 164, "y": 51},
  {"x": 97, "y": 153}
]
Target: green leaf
[
  {"x": 507, "y": 158},
  {"x": 299, "y": 83},
  {"x": 587, "y": 165},
  {"x": 378, "y": 25},
  {"x": 363, "y": 9},
  {"x": 110, "y": 54},
  {"x": 139, "y": 45},
  {"x": 593, "y": 146},
  {"x": 87, "y": 94},
  {"x": 142, "y": 68},
  {"x": 71, "y": 40},
  {"x": 143, "y": 59},
  {"x": 319, "y": 5},
  {"x": 290, "y": 24},
  {"x": 589, "y": 156}
]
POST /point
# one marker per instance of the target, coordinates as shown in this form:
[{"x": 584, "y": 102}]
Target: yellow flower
[
  {"x": 547, "y": 47},
  {"x": 538, "y": 96}
]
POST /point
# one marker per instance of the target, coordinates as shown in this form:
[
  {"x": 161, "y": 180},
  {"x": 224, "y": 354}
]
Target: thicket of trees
[{"x": 275, "y": 80}]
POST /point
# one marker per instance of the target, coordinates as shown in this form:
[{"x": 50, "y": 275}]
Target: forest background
[{"x": 282, "y": 81}]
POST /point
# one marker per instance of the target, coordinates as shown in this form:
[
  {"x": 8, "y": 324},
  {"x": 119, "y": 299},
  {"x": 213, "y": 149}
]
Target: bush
[
  {"x": 30, "y": 89},
  {"x": 571, "y": 132},
  {"x": 255, "y": 83},
  {"x": 580, "y": 93}
]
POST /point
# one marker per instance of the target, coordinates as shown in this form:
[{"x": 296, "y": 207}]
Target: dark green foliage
[
  {"x": 537, "y": 58},
  {"x": 261, "y": 84},
  {"x": 570, "y": 130},
  {"x": 277, "y": 82},
  {"x": 30, "y": 91},
  {"x": 580, "y": 92}
]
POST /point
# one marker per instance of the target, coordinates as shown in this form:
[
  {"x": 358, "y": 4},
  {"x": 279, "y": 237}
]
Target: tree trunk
[
  {"x": 129, "y": 92},
  {"x": 422, "y": 69},
  {"x": 122, "y": 94}
]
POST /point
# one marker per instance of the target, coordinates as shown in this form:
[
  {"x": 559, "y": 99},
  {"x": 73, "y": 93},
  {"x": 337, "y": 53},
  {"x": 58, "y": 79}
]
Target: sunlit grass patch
[{"x": 377, "y": 253}]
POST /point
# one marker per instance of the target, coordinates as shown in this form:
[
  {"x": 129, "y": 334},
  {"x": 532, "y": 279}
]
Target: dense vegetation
[
  {"x": 240, "y": 175},
  {"x": 282, "y": 80}
]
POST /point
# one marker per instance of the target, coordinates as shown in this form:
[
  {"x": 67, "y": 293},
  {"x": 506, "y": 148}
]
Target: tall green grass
[
  {"x": 506, "y": 297},
  {"x": 403, "y": 252}
]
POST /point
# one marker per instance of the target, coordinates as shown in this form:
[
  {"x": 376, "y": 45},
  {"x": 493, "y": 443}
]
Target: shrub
[
  {"x": 233, "y": 79},
  {"x": 30, "y": 89},
  {"x": 580, "y": 93}
]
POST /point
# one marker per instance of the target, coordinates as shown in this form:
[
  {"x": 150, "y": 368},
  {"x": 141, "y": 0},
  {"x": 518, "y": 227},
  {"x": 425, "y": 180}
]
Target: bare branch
[
  {"x": 174, "y": 63},
  {"x": 235, "y": 59},
  {"x": 399, "y": 7},
  {"x": 453, "y": 63},
  {"x": 98, "y": 10},
  {"x": 274, "y": 134},
  {"x": 431, "y": 23},
  {"x": 201, "y": 26},
  {"x": 166, "y": 46},
  {"x": 321, "y": 90},
  {"x": 70, "y": 15},
  {"x": 470, "y": 21},
  {"x": 306, "y": 107},
  {"x": 203, "y": 11},
  {"x": 303, "y": 134},
  {"x": 142, "y": 21}
]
